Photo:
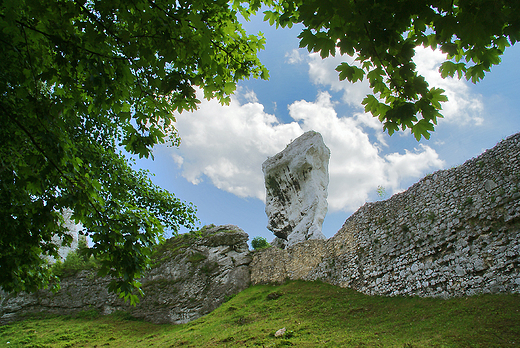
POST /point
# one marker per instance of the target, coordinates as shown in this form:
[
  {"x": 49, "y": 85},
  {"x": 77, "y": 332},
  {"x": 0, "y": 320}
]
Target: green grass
[{"x": 314, "y": 314}]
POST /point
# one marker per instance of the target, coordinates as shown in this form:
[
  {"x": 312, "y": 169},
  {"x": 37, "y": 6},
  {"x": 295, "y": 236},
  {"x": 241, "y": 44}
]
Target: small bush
[
  {"x": 259, "y": 243},
  {"x": 74, "y": 262},
  {"x": 196, "y": 257}
]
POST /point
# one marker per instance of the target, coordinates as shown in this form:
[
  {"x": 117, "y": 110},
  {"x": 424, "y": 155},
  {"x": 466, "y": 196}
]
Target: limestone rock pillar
[{"x": 296, "y": 181}]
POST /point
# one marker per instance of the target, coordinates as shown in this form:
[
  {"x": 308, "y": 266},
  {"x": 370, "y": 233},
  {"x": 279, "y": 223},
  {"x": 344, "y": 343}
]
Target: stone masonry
[{"x": 454, "y": 233}]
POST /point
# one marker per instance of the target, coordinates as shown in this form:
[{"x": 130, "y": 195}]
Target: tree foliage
[
  {"x": 80, "y": 80},
  {"x": 259, "y": 243},
  {"x": 382, "y": 35}
]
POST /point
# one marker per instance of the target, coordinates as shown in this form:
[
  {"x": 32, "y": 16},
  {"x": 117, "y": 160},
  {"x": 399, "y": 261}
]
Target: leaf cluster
[
  {"x": 81, "y": 80},
  {"x": 75, "y": 261},
  {"x": 259, "y": 243},
  {"x": 381, "y": 36}
]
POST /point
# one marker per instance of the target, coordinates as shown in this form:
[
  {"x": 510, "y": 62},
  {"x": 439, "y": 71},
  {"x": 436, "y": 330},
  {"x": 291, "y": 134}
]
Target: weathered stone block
[{"x": 296, "y": 181}]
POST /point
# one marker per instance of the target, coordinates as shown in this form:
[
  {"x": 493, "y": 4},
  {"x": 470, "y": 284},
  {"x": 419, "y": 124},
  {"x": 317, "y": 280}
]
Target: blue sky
[{"x": 218, "y": 164}]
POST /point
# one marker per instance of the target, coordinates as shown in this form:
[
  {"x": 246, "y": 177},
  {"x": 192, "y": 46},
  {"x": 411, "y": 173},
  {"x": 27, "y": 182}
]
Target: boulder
[
  {"x": 200, "y": 274},
  {"x": 193, "y": 275},
  {"x": 296, "y": 181}
]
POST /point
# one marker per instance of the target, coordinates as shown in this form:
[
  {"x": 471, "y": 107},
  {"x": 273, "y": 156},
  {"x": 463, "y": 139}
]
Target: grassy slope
[{"x": 314, "y": 314}]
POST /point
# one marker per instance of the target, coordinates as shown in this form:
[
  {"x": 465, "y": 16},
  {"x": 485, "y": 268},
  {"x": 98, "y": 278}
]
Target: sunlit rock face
[
  {"x": 191, "y": 275},
  {"x": 296, "y": 181}
]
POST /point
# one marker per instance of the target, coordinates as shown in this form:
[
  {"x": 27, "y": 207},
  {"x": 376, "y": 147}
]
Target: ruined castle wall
[{"x": 454, "y": 233}]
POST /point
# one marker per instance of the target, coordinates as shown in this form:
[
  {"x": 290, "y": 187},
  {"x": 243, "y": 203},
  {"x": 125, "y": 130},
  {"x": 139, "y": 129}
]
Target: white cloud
[
  {"x": 463, "y": 106},
  {"x": 250, "y": 96},
  {"x": 294, "y": 57},
  {"x": 356, "y": 167},
  {"x": 410, "y": 165},
  {"x": 227, "y": 144},
  {"x": 323, "y": 72}
]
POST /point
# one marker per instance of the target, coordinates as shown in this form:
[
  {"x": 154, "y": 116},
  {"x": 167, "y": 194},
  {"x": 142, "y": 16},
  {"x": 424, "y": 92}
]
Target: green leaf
[
  {"x": 449, "y": 68},
  {"x": 422, "y": 129},
  {"x": 437, "y": 96},
  {"x": 351, "y": 73}
]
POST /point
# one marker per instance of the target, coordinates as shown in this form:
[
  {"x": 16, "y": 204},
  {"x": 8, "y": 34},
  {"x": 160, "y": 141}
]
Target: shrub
[
  {"x": 196, "y": 257},
  {"x": 259, "y": 243},
  {"x": 76, "y": 260}
]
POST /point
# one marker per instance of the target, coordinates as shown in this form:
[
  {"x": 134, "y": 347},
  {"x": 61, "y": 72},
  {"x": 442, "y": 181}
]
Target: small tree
[{"x": 259, "y": 243}]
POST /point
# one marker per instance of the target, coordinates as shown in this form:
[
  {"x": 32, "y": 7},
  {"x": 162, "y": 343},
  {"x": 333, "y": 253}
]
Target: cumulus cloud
[
  {"x": 411, "y": 164},
  {"x": 294, "y": 57},
  {"x": 228, "y": 144},
  {"x": 463, "y": 106},
  {"x": 323, "y": 72},
  {"x": 356, "y": 166}
]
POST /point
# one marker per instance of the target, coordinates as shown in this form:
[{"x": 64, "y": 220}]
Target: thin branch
[
  {"x": 54, "y": 37},
  {"x": 51, "y": 161}
]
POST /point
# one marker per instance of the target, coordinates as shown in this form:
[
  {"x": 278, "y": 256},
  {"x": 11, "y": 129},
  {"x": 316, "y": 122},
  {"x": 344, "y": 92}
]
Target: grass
[{"x": 314, "y": 315}]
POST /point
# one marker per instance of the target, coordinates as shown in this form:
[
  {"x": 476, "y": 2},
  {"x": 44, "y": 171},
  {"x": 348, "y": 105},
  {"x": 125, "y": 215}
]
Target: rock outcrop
[
  {"x": 296, "y": 181},
  {"x": 454, "y": 233},
  {"x": 74, "y": 230},
  {"x": 193, "y": 276}
]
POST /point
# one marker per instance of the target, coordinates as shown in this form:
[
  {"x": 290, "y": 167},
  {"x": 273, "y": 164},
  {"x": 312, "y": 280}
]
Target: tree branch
[
  {"x": 51, "y": 161},
  {"x": 54, "y": 37}
]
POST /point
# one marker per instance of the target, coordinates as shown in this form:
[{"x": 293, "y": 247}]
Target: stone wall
[{"x": 454, "y": 233}]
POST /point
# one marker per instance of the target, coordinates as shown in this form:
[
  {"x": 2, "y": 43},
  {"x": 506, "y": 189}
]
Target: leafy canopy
[
  {"x": 259, "y": 243},
  {"x": 382, "y": 35},
  {"x": 80, "y": 80}
]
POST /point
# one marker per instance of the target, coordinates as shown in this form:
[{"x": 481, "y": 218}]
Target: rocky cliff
[{"x": 193, "y": 275}]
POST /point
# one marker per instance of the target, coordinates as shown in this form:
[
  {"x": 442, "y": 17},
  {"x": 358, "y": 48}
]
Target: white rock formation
[
  {"x": 296, "y": 181},
  {"x": 74, "y": 230}
]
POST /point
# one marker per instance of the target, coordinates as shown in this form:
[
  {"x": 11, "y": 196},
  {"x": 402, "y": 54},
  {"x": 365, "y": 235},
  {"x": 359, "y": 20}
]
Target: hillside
[{"x": 314, "y": 314}]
